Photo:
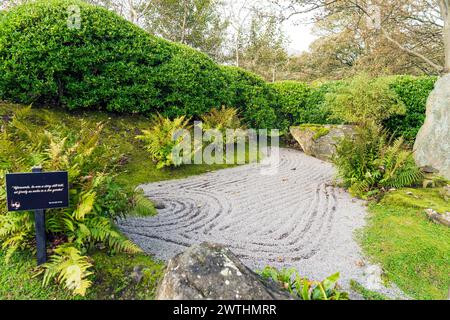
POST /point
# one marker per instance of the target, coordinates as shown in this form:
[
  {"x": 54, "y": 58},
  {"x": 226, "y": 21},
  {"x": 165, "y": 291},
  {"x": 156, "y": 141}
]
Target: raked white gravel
[{"x": 295, "y": 218}]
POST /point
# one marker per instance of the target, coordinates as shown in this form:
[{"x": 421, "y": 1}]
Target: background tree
[
  {"x": 386, "y": 36},
  {"x": 197, "y": 23},
  {"x": 264, "y": 49}
]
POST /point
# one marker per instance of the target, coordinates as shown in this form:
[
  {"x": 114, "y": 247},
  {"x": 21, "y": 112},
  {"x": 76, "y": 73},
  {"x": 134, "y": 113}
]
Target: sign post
[
  {"x": 37, "y": 191},
  {"x": 39, "y": 225}
]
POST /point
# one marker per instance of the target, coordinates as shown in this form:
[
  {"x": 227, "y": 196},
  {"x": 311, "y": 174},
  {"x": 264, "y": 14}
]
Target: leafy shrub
[
  {"x": 253, "y": 98},
  {"x": 370, "y": 161},
  {"x": 304, "y": 289},
  {"x": 26, "y": 142},
  {"x": 299, "y": 103},
  {"x": 291, "y": 102},
  {"x": 364, "y": 100},
  {"x": 161, "y": 139},
  {"x": 108, "y": 63},
  {"x": 221, "y": 119},
  {"x": 318, "y": 112},
  {"x": 413, "y": 92},
  {"x": 112, "y": 64}
]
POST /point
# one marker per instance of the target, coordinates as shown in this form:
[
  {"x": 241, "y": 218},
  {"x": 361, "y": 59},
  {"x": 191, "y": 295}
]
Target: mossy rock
[
  {"x": 320, "y": 140},
  {"x": 320, "y": 130},
  {"x": 125, "y": 276}
]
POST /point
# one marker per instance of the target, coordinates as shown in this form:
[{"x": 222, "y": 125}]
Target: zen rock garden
[{"x": 189, "y": 150}]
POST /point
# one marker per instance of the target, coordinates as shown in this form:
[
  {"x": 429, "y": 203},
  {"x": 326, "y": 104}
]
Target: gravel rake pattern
[{"x": 295, "y": 218}]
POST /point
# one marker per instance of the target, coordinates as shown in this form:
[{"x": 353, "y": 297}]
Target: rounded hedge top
[{"x": 106, "y": 63}]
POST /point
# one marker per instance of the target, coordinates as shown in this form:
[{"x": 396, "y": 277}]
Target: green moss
[
  {"x": 319, "y": 130},
  {"x": 413, "y": 251},
  {"x": 119, "y": 132},
  {"x": 116, "y": 277},
  {"x": 366, "y": 293},
  {"x": 429, "y": 198}
]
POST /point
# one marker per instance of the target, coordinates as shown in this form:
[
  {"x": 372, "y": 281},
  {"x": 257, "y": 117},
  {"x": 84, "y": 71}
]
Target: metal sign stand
[{"x": 39, "y": 222}]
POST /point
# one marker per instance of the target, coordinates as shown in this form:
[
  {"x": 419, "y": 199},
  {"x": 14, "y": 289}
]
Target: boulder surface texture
[
  {"x": 432, "y": 147},
  {"x": 320, "y": 140},
  {"x": 211, "y": 271}
]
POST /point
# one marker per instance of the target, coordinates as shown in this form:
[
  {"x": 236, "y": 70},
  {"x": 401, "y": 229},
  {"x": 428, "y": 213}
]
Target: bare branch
[{"x": 435, "y": 66}]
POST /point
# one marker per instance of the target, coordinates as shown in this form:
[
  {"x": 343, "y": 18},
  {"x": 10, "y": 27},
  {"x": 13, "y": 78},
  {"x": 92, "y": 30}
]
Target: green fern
[
  {"x": 87, "y": 221},
  {"x": 373, "y": 160},
  {"x": 69, "y": 267},
  {"x": 159, "y": 140}
]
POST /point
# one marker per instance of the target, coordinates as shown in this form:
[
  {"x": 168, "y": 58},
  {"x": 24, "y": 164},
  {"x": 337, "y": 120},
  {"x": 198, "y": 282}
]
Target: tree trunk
[
  {"x": 447, "y": 44},
  {"x": 445, "y": 13},
  {"x": 183, "y": 26},
  {"x": 237, "y": 48}
]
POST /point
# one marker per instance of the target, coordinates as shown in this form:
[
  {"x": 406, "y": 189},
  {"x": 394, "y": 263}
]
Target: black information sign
[{"x": 37, "y": 191}]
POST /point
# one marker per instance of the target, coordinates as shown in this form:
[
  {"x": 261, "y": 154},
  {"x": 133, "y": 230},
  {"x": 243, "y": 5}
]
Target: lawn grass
[
  {"x": 17, "y": 281},
  {"x": 366, "y": 293},
  {"x": 112, "y": 280},
  {"x": 413, "y": 251}
]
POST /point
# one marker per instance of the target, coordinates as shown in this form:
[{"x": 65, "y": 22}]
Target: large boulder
[
  {"x": 320, "y": 140},
  {"x": 432, "y": 147},
  {"x": 211, "y": 271}
]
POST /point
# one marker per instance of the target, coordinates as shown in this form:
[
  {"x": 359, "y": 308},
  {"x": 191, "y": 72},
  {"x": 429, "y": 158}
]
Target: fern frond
[{"x": 69, "y": 267}]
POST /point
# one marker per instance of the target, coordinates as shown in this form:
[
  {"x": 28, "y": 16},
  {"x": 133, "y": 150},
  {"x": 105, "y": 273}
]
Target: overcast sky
[{"x": 300, "y": 36}]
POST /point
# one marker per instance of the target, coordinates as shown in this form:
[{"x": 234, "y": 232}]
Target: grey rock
[
  {"x": 428, "y": 169},
  {"x": 159, "y": 204},
  {"x": 438, "y": 218},
  {"x": 445, "y": 193},
  {"x": 432, "y": 146},
  {"x": 211, "y": 271},
  {"x": 137, "y": 274},
  {"x": 321, "y": 146}
]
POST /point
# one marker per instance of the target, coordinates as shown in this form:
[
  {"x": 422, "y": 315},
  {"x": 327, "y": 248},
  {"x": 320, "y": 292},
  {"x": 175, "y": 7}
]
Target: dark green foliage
[
  {"x": 106, "y": 64},
  {"x": 317, "y": 112},
  {"x": 110, "y": 64},
  {"x": 300, "y": 103},
  {"x": 291, "y": 102},
  {"x": 413, "y": 92},
  {"x": 370, "y": 161},
  {"x": 253, "y": 98}
]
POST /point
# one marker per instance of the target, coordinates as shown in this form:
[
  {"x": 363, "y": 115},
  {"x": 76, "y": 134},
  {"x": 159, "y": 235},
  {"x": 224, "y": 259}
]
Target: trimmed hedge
[
  {"x": 414, "y": 92},
  {"x": 113, "y": 65},
  {"x": 299, "y": 103},
  {"x": 110, "y": 64},
  {"x": 107, "y": 64},
  {"x": 253, "y": 97}
]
